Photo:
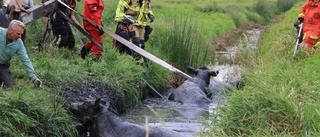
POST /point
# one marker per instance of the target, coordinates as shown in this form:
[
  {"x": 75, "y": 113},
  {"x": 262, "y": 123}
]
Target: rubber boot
[{"x": 84, "y": 52}]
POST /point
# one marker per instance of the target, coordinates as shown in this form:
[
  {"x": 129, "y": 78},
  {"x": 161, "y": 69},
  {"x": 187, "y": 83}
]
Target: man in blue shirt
[{"x": 10, "y": 45}]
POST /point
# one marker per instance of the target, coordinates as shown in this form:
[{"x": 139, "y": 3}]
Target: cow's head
[
  {"x": 203, "y": 73},
  {"x": 87, "y": 109}
]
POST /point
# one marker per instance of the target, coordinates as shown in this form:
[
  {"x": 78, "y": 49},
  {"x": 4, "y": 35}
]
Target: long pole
[{"x": 298, "y": 38}]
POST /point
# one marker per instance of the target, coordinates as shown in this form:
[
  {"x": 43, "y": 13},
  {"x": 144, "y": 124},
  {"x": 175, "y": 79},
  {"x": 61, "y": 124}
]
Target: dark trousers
[
  {"x": 63, "y": 29},
  {"x": 6, "y": 78},
  {"x": 122, "y": 48},
  {"x": 126, "y": 35}
]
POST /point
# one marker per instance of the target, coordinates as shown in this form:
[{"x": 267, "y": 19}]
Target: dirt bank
[{"x": 77, "y": 92}]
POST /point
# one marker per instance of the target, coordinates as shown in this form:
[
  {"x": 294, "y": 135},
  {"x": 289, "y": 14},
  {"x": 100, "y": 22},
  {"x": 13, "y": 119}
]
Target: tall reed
[{"x": 183, "y": 44}]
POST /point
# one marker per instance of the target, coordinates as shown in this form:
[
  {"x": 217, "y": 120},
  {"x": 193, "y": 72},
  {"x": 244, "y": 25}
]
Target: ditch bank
[{"x": 187, "y": 120}]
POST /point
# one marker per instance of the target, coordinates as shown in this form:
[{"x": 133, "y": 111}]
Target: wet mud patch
[
  {"x": 80, "y": 92},
  {"x": 238, "y": 45},
  {"x": 232, "y": 38}
]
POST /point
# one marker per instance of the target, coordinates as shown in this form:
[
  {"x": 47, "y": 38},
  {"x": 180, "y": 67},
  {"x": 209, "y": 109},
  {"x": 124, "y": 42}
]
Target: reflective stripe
[
  {"x": 314, "y": 37},
  {"x": 118, "y": 10},
  {"x": 141, "y": 12}
]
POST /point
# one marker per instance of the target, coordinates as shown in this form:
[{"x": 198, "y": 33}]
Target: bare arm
[
  {"x": 74, "y": 18},
  {"x": 21, "y": 5}
]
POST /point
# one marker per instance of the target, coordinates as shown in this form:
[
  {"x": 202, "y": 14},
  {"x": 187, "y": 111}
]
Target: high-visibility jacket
[
  {"x": 310, "y": 13},
  {"x": 118, "y": 13},
  {"x": 92, "y": 10},
  {"x": 138, "y": 9}
]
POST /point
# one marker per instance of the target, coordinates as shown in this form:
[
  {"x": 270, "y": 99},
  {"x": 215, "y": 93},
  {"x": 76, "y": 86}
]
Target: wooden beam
[{"x": 38, "y": 11}]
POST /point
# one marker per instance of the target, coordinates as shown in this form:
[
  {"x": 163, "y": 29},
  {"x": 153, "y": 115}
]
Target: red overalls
[{"x": 93, "y": 10}]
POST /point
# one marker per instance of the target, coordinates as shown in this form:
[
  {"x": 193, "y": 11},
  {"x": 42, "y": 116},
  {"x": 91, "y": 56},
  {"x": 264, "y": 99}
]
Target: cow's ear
[
  {"x": 214, "y": 73},
  {"x": 192, "y": 70}
]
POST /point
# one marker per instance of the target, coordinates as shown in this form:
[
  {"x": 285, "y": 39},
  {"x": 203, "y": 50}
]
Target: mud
[{"x": 77, "y": 92}]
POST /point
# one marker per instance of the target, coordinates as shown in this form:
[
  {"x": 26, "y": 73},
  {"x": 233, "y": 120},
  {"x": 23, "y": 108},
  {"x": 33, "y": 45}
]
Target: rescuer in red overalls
[
  {"x": 93, "y": 11},
  {"x": 310, "y": 16}
]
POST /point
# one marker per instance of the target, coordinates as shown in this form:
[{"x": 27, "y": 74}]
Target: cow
[
  {"x": 195, "y": 90},
  {"x": 98, "y": 121},
  {"x": 200, "y": 91},
  {"x": 217, "y": 88}
]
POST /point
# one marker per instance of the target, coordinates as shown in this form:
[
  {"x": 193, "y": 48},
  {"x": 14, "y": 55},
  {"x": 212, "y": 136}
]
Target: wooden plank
[{"x": 38, "y": 11}]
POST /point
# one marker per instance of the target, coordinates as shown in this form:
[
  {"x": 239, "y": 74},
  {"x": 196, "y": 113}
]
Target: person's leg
[
  {"x": 59, "y": 28},
  {"x": 136, "y": 38},
  {"x": 5, "y": 77},
  {"x": 95, "y": 48},
  {"x": 46, "y": 28},
  {"x": 85, "y": 51},
  {"x": 141, "y": 34},
  {"x": 71, "y": 40},
  {"x": 63, "y": 31},
  {"x": 122, "y": 48},
  {"x": 310, "y": 38}
]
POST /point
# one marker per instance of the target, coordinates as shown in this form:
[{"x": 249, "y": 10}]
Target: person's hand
[
  {"x": 297, "y": 23},
  {"x": 151, "y": 17},
  {"x": 37, "y": 83}
]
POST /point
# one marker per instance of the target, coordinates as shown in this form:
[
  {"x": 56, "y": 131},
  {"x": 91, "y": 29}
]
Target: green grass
[
  {"x": 183, "y": 31},
  {"x": 28, "y": 112},
  {"x": 182, "y": 44},
  {"x": 281, "y": 96}
]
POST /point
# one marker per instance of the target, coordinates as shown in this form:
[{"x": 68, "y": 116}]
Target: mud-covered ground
[
  {"x": 77, "y": 92},
  {"x": 232, "y": 38}
]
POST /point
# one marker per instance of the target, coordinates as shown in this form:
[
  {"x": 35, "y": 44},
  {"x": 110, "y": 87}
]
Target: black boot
[{"x": 84, "y": 52}]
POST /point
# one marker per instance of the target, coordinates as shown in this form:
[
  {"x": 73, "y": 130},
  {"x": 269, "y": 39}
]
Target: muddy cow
[
  {"x": 217, "y": 88},
  {"x": 98, "y": 121},
  {"x": 195, "y": 90}
]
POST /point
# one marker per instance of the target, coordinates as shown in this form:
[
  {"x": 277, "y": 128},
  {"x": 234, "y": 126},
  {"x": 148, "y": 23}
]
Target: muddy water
[{"x": 185, "y": 119}]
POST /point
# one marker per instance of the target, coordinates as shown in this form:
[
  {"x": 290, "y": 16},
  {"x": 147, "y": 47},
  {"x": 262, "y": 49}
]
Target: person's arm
[
  {"x": 120, "y": 13},
  {"x": 303, "y": 10},
  {"x": 150, "y": 14},
  {"x": 72, "y": 16},
  {"x": 24, "y": 58},
  {"x": 21, "y": 5}
]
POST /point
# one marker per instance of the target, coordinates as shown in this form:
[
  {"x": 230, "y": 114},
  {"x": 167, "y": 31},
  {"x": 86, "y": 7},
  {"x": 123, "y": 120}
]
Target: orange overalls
[{"x": 310, "y": 13}]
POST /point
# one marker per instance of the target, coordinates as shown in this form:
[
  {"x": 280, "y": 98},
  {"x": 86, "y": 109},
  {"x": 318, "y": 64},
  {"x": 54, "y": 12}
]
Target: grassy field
[
  {"x": 281, "y": 97},
  {"x": 182, "y": 36}
]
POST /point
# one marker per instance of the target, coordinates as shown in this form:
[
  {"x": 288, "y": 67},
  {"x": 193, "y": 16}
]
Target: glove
[
  {"x": 101, "y": 29},
  {"x": 37, "y": 83},
  {"x": 297, "y": 23},
  {"x": 151, "y": 17}
]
